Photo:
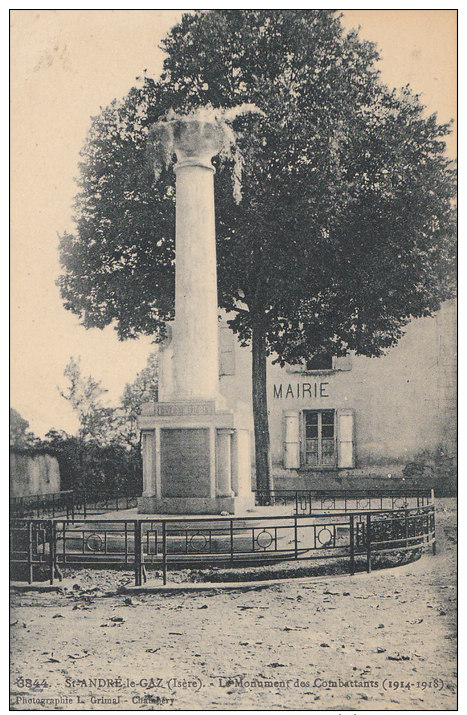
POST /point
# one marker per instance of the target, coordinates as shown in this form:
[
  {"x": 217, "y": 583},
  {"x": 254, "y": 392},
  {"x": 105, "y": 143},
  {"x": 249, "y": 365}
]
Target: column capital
[{"x": 195, "y": 142}]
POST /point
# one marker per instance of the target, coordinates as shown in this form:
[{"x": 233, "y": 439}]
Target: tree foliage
[
  {"x": 109, "y": 424},
  {"x": 143, "y": 389},
  {"x": 19, "y": 434},
  {"x": 85, "y": 397},
  {"x": 93, "y": 467},
  {"x": 105, "y": 453},
  {"x": 345, "y": 230}
]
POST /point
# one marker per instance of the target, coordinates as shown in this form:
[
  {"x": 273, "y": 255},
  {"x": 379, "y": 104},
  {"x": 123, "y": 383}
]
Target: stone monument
[{"x": 196, "y": 451}]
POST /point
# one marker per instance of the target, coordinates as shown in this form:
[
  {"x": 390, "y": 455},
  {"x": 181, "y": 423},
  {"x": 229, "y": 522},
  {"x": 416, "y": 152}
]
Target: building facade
[{"x": 358, "y": 413}]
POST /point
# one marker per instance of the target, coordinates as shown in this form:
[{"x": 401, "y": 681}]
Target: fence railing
[
  {"x": 86, "y": 503},
  {"x": 42, "y": 548},
  {"x": 43, "y": 505},
  {"x": 69, "y": 504},
  {"x": 307, "y": 501}
]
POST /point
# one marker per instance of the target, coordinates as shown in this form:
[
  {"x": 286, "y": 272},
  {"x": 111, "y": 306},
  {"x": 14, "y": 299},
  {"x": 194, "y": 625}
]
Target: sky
[{"x": 65, "y": 66}]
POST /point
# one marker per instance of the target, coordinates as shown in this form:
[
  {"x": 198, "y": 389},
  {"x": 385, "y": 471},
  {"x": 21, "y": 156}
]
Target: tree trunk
[{"x": 260, "y": 415}]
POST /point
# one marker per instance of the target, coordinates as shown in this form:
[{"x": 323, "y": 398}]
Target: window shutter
[
  {"x": 345, "y": 438},
  {"x": 342, "y": 363},
  {"x": 292, "y": 440},
  {"x": 226, "y": 351}
]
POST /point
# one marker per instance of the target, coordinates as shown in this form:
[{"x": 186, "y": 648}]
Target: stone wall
[{"x": 33, "y": 474}]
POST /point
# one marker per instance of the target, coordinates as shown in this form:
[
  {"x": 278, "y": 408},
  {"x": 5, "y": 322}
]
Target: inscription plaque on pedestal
[
  {"x": 185, "y": 463},
  {"x": 183, "y": 409}
]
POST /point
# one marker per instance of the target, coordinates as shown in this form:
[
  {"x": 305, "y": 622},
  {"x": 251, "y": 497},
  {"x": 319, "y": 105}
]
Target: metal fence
[
  {"x": 86, "y": 503},
  {"x": 42, "y": 548},
  {"x": 307, "y": 501},
  {"x": 43, "y": 505},
  {"x": 70, "y": 504}
]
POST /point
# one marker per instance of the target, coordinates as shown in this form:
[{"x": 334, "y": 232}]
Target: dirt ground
[{"x": 380, "y": 641}]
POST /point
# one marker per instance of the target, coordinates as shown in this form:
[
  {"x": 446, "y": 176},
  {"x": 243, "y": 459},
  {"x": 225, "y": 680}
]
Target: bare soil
[{"x": 380, "y": 641}]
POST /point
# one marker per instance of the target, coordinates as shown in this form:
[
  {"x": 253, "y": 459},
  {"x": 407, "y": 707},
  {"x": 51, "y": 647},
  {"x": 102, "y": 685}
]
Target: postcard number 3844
[{"x": 30, "y": 683}]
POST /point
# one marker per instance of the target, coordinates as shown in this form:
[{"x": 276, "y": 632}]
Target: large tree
[{"x": 345, "y": 227}]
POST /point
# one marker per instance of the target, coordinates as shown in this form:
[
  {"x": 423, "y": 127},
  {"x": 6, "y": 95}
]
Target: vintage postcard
[{"x": 233, "y": 421}]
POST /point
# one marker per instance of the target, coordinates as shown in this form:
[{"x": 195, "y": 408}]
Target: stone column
[
  {"x": 224, "y": 463},
  {"x": 148, "y": 449},
  {"x": 196, "y": 360},
  {"x": 193, "y": 463}
]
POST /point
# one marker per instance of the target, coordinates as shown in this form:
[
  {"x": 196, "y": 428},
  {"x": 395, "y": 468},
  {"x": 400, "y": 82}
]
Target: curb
[
  {"x": 269, "y": 583},
  {"x": 229, "y": 585},
  {"x": 42, "y": 588},
  {"x": 201, "y": 587},
  {"x": 225, "y": 585}
]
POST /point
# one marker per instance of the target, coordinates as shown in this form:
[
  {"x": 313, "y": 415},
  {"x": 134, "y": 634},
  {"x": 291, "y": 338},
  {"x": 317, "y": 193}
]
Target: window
[
  {"x": 319, "y": 362},
  {"x": 319, "y": 443},
  {"x": 324, "y": 362}
]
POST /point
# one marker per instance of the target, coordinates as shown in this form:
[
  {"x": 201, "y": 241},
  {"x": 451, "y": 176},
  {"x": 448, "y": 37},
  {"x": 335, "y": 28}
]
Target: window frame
[
  {"x": 303, "y": 445},
  {"x": 302, "y": 369}
]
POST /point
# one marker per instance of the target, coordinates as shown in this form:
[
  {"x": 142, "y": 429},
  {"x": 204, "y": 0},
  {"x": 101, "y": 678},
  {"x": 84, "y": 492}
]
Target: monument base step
[{"x": 195, "y": 505}]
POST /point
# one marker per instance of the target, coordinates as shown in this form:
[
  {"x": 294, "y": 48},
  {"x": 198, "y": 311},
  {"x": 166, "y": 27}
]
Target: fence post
[
  {"x": 137, "y": 553},
  {"x": 53, "y": 506},
  {"x": 406, "y": 528},
  {"x": 30, "y": 567},
  {"x": 432, "y": 495},
  {"x": 52, "y": 542},
  {"x": 142, "y": 562},
  {"x": 296, "y": 502},
  {"x": 352, "y": 544},
  {"x": 164, "y": 554},
  {"x": 368, "y": 543},
  {"x": 64, "y": 525},
  {"x": 73, "y": 505},
  {"x": 231, "y": 542},
  {"x": 295, "y": 536}
]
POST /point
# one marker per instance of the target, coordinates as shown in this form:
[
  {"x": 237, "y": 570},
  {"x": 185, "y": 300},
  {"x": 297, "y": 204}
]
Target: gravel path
[{"x": 380, "y": 641}]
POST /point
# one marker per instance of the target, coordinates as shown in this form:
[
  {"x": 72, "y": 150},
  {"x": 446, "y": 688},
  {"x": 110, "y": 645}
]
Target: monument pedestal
[{"x": 196, "y": 459}]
